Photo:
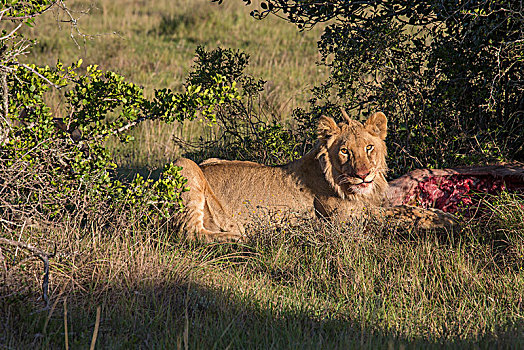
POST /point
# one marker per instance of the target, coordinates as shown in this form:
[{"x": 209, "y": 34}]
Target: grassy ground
[
  {"x": 154, "y": 46},
  {"x": 313, "y": 286}
]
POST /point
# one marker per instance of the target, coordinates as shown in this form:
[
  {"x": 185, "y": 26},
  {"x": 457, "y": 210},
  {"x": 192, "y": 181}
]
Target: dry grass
[
  {"x": 314, "y": 286},
  {"x": 154, "y": 47},
  {"x": 288, "y": 287}
]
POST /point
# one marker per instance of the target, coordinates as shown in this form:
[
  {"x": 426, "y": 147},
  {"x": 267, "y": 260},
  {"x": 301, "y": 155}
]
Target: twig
[
  {"x": 29, "y": 16},
  {"x": 2, "y": 260},
  {"x": 95, "y": 332},
  {"x": 42, "y": 256},
  {"x": 4, "y": 11},
  {"x": 19, "y": 237},
  {"x": 5, "y": 102},
  {"x": 74, "y": 23},
  {"x": 408, "y": 154},
  {"x": 41, "y": 76},
  {"x": 66, "y": 336},
  {"x": 130, "y": 125},
  {"x": 121, "y": 129},
  {"x": 12, "y": 32}
]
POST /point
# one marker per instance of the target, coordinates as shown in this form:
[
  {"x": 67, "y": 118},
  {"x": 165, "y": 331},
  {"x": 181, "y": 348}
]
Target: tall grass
[
  {"x": 153, "y": 45},
  {"x": 307, "y": 286}
]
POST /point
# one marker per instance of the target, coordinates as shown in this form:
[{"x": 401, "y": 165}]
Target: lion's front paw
[
  {"x": 434, "y": 218},
  {"x": 227, "y": 237},
  {"x": 421, "y": 218}
]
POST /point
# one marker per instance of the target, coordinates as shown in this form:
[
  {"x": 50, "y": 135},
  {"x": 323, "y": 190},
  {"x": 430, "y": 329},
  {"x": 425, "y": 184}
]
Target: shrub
[
  {"x": 243, "y": 130},
  {"x": 448, "y": 74},
  {"x": 53, "y": 167}
]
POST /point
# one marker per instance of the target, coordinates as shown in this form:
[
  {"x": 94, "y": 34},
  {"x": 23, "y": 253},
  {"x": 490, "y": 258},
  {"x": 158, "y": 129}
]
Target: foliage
[
  {"x": 244, "y": 132},
  {"x": 448, "y": 74},
  {"x": 23, "y": 10},
  {"x": 63, "y": 164},
  {"x": 162, "y": 195}
]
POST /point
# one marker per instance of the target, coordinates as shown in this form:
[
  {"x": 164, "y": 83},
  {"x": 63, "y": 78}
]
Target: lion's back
[{"x": 246, "y": 187}]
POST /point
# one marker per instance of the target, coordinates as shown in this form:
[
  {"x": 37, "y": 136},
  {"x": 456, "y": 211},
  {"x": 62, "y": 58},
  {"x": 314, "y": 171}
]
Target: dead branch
[{"x": 41, "y": 255}]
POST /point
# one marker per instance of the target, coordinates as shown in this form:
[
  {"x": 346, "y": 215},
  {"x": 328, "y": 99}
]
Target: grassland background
[
  {"x": 153, "y": 45},
  {"x": 314, "y": 286}
]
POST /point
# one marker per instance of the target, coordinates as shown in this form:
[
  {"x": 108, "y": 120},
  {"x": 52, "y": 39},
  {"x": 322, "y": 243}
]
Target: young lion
[{"x": 341, "y": 177}]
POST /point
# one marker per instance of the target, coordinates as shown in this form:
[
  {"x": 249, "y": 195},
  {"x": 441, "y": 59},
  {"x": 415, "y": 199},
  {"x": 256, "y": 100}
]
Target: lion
[{"x": 342, "y": 177}]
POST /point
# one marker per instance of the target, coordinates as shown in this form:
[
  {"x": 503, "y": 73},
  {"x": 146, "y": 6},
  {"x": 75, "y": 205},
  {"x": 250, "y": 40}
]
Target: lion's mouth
[
  {"x": 356, "y": 184},
  {"x": 361, "y": 187},
  {"x": 363, "y": 184}
]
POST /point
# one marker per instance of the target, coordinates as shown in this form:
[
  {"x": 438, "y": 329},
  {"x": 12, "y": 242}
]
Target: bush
[
  {"x": 243, "y": 130},
  {"x": 52, "y": 167},
  {"x": 448, "y": 74}
]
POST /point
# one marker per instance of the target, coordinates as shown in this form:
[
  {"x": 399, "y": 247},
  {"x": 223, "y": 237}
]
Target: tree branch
[
  {"x": 41, "y": 76},
  {"x": 42, "y": 256},
  {"x": 12, "y": 32},
  {"x": 28, "y": 16}
]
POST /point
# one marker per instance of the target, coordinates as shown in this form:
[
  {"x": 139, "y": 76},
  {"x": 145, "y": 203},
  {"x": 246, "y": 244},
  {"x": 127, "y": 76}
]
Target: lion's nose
[{"x": 362, "y": 173}]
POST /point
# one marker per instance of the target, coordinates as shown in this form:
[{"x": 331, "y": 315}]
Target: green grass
[
  {"x": 313, "y": 286},
  {"x": 154, "y": 46}
]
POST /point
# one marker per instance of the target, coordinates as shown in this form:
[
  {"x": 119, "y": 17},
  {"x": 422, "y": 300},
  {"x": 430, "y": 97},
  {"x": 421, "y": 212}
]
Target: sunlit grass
[
  {"x": 306, "y": 286},
  {"x": 153, "y": 45}
]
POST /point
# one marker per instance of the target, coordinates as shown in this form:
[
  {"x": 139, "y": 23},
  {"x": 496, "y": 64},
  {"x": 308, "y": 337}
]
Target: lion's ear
[
  {"x": 327, "y": 128},
  {"x": 377, "y": 125}
]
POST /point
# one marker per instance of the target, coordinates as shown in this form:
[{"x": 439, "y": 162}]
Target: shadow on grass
[
  {"x": 127, "y": 174},
  {"x": 193, "y": 316}
]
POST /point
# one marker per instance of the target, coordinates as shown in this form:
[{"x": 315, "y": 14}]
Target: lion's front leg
[
  {"x": 410, "y": 216},
  {"x": 204, "y": 217}
]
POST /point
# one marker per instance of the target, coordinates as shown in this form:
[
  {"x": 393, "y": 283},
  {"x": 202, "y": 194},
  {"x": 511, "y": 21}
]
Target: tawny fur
[{"x": 343, "y": 176}]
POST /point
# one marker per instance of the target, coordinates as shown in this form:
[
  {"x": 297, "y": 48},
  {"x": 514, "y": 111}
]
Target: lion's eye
[
  {"x": 344, "y": 151},
  {"x": 369, "y": 148}
]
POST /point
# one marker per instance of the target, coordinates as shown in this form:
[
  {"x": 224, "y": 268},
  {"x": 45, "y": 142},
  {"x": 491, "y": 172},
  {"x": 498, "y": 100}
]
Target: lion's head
[{"x": 352, "y": 155}]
